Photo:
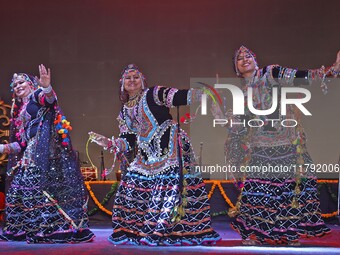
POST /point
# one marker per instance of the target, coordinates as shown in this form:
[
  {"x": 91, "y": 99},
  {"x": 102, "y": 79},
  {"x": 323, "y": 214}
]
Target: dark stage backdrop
[{"x": 87, "y": 43}]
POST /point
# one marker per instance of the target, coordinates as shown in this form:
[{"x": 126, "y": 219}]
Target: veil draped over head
[{"x": 59, "y": 167}]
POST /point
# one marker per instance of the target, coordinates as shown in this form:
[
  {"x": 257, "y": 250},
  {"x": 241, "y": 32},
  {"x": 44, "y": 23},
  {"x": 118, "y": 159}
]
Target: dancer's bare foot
[
  {"x": 294, "y": 243},
  {"x": 249, "y": 242}
]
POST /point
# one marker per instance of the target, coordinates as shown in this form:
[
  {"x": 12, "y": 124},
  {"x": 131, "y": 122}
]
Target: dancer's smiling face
[
  {"x": 21, "y": 87},
  {"x": 132, "y": 83},
  {"x": 245, "y": 64}
]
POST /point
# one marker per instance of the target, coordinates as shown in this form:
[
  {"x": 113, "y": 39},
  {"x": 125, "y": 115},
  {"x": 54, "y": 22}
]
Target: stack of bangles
[
  {"x": 333, "y": 73},
  {"x": 111, "y": 145},
  {"x": 47, "y": 90},
  {"x": 4, "y": 148}
]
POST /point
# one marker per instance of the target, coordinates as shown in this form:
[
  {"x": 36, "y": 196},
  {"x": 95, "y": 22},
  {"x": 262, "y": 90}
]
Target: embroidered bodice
[
  {"x": 149, "y": 126},
  {"x": 273, "y": 133},
  {"x": 30, "y": 115}
]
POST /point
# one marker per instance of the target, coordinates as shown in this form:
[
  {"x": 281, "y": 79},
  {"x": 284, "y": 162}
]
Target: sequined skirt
[
  {"x": 279, "y": 208},
  {"x": 145, "y": 209},
  {"x": 35, "y": 211}
]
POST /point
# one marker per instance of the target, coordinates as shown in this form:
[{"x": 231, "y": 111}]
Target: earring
[{"x": 122, "y": 85}]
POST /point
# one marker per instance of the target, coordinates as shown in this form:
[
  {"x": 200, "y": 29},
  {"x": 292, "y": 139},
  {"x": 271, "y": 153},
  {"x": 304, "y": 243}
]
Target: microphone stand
[
  {"x": 179, "y": 155},
  {"x": 180, "y": 161},
  {"x": 201, "y": 159},
  {"x": 102, "y": 167}
]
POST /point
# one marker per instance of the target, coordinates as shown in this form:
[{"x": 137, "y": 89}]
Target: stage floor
[{"x": 230, "y": 244}]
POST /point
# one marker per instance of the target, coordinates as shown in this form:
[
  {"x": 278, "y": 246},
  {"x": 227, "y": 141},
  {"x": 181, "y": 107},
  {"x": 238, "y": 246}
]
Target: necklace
[
  {"x": 251, "y": 81},
  {"x": 21, "y": 120},
  {"x": 133, "y": 101}
]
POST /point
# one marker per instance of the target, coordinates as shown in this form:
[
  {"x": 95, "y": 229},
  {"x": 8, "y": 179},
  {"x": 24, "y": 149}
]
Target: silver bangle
[
  {"x": 2, "y": 148},
  {"x": 47, "y": 90}
]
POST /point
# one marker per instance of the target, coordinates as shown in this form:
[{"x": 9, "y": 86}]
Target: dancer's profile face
[
  {"x": 132, "y": 83},
  {"x": 245, "y": 64},
  {"x": 21, "y": 88}
]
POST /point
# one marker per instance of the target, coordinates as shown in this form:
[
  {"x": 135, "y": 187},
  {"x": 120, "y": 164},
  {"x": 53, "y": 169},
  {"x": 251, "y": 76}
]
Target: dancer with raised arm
[
  {"x": 46, "y": 201},
  {"x": 279, "y": 207}
]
